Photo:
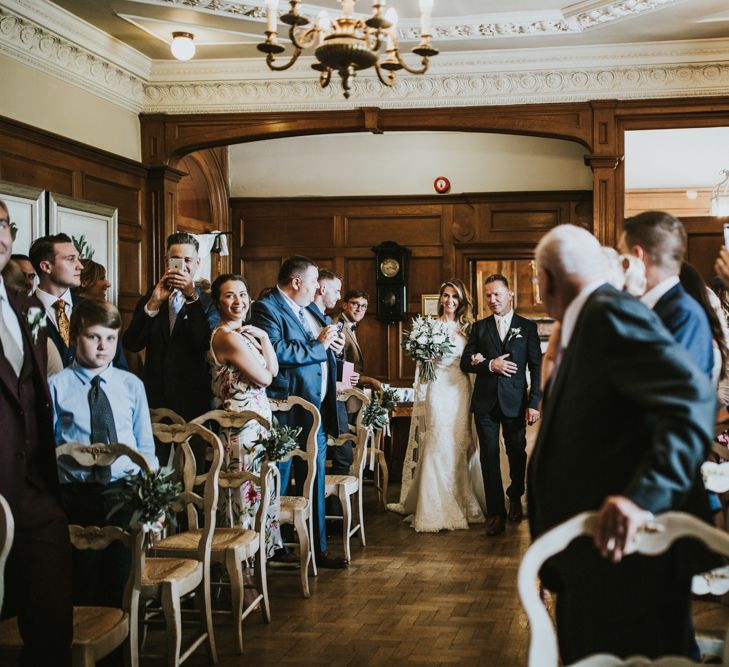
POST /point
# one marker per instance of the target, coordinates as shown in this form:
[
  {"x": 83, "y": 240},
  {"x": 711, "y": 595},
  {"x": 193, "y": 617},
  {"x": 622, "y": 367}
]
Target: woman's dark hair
[
  {"x": 221, "y": 280},
  {"x": 91, "y": 272},
  {"x": 694, "y": 284}
]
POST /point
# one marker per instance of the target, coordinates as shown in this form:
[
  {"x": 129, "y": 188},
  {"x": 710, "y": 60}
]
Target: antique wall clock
[{"x": 391, "y": 274}]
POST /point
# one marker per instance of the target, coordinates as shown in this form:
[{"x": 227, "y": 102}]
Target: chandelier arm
[
  {"x": 390, "y": 76},
  {"x": 271, "y": 59},
  {"x": 413, "y": 70},
  {"x": 307, "y": 37}
]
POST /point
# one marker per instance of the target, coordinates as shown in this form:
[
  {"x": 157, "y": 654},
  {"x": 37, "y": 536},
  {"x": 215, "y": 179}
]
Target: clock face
[{"x": 389, "y": 267}]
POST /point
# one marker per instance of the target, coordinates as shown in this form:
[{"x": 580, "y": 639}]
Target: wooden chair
[
  {"x": 375, "y": 455},
  {"x": 346, "y": 486},
  {"x": 160, "y": 415},
  {"x": 232, "y": 546},
  {"x": 298, "y": 510},
  {"x": 97, "y": 631},
  {"x": 7, "y": 532},
  {"x": 653, "y": 540},
  {"x": 168, "y": 579}
]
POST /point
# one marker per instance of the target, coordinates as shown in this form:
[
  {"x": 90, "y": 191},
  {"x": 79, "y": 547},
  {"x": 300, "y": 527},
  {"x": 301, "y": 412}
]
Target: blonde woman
[{"x": 436, "y": 491}]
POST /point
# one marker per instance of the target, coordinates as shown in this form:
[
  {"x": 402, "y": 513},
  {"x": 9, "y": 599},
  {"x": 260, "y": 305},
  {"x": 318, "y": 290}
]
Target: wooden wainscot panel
[
  {"x": 25, "y": 170},
  {"x": 372, "y": 337},
  {"x": 673, "y": 200},
  {"x": 260, "y": 273},
  {"x": 360, "y": 274},
  {"x": 406, "y": 230},
  {"x": 705, "y": 237},
  {"x": 424, "y": 278},
  {"x": 517, "y": 219},
  {"x": 287, "y": 228},
  {"x": 130, "y": 264},
  {"x": 124, "y": 198}
]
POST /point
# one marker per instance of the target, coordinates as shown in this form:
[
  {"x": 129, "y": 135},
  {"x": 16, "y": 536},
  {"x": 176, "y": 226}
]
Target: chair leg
[
  {"x": 345, "y": 500},
  {"x": 131, "y": 645},
  {"x": 360, "y": 512},
  {"x": 304, "y": 550},
  {"x": 235, "y": 574},
  {"x": 82, "y": 656},
  {"x": 262, "y": 582},
  {"x": 385, "y": 478},
  {"x": 173, "y": 620},
  {"x": 312, "y": 544},
  {"x": 206, "y": 615}
]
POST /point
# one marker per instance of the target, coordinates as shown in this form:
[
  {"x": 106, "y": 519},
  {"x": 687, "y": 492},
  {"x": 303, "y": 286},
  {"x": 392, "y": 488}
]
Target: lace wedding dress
[{"x": 437, "y": 491}]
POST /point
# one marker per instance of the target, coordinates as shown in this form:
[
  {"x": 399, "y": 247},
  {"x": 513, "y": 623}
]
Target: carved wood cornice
[{"x": 603, "y": 161}]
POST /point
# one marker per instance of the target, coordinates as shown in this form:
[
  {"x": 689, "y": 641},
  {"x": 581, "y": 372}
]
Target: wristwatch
[{"x": 191, "y": 299}]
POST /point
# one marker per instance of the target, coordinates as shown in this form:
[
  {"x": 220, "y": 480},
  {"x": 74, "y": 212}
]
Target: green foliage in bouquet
[
  {"x": 85, "y": 251},
  {"x": 375, "y": 416},
  {"x": 147, "y": 496},
  {"x": 388, "y": 399},
  {"x": 279, "y": 443}
]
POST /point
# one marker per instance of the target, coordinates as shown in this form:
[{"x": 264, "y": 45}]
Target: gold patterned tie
[{"x": 64, "y": 326}]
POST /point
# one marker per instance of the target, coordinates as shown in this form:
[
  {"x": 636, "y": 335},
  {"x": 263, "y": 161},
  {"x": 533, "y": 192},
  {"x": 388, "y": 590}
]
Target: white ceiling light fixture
[
  {"x": 183, "y": 46},
  {"x": 720, "y": 196}
]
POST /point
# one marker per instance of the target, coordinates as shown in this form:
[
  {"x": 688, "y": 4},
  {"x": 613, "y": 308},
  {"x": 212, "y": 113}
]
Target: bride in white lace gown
[{"x": 437, "y": 492}]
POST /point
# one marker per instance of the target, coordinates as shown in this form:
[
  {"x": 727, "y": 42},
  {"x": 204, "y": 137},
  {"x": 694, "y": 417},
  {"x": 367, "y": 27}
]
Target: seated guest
[
  {"x": 93, "y": 402},
  {"x": 173, "y": 322},
  {"x": 23, "y": 261},
  {"x": 59, "y": 267},
  {"x": 307, "y": 368},
  {"x": 626, "y": 387},
  {"x": 243, "y": 364},
  {"x": 93, "y": 281}
]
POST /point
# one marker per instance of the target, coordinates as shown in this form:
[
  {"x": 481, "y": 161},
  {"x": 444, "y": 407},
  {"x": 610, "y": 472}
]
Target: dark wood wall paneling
[
  {"x": 445, "y": 234},
  {"x": 43, "y": 160}
]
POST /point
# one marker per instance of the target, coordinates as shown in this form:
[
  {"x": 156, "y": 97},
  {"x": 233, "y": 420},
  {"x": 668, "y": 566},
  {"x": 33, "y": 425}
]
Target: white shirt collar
[
  {"x": 573, "y": 310},
  {"x": 48, "y": 299},
  {"x": 653, "y": 295},
  {"x": 3, "y": 291}
]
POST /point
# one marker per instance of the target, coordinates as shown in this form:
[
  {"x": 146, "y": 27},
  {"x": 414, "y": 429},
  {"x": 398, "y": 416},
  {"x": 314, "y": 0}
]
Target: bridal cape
[{"x": 442, "y": 486}]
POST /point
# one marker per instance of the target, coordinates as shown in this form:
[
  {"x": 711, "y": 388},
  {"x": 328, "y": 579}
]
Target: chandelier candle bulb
[
  {"x": 322, "y": 24},
  {"x": 348, "y": 7},
  {"x": 426, "y": 9},
  {"x": 271, "y": 15}
]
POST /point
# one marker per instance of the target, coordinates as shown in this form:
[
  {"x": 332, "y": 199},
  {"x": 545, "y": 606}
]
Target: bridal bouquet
[{"x": 426, "y": 342}]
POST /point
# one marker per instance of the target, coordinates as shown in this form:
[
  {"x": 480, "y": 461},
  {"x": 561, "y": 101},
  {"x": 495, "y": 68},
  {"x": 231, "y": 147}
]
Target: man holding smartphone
[{"x": 173, "y": 323}]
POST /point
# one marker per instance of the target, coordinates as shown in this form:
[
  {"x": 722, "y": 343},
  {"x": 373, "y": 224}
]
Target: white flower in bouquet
[{"x": 427, "y": 342}]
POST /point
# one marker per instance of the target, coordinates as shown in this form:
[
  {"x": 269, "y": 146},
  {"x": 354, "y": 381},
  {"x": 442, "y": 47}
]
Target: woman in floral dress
[{"x": 243, "y": 363}]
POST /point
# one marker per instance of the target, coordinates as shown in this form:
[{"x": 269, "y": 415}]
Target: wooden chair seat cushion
[
  {"x": 91, "y": 625},
  {"x": 223, "y": 539},
  {"x": 291, "y": 503},
  {"x": 161, "y": 570},
  {"x": 331, "y": 482}
]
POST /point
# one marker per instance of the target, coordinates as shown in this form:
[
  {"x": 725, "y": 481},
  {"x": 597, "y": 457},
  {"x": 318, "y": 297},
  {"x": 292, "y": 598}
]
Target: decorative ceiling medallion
[{"x": 574, "y": 18}]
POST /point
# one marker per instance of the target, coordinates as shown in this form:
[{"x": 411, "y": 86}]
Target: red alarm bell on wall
[{"x": 442, "y": 185}]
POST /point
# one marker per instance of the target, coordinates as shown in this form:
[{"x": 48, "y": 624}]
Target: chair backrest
[
  {"x": 345, "y": 394},
  {"x": 97, "y": 538},
  {"x": 161, "y": 415},
  {"x": 231, "y": 418},
  {"x": 652, "y": 540},
  {"x": 7, "y": 532},
  {"x": 178, "y": 435},
  {"x": 281, "y": 405}
]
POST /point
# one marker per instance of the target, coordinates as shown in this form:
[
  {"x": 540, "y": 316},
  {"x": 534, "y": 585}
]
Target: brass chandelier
[{"x": 346, "y": 44}]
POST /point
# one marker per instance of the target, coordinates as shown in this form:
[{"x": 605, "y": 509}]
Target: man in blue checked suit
[{"x": 307, "y": 368}]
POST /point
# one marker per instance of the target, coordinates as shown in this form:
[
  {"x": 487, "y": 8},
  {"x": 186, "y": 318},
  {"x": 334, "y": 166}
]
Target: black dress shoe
[
  {"x": 515, "y": 511},
  {"x": 495, "y": 525},
  {"x": 329, "y": 560}
]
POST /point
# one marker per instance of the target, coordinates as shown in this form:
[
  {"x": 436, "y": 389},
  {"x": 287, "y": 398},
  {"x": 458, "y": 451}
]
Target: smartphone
[
  {"x": 726, "y": 235},
  {"x": 175, "y": 264},
  {"x": 340, "y": 324}
]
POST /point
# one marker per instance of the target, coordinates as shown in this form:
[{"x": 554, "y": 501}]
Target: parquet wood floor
[{"x": 406, "y": 599}]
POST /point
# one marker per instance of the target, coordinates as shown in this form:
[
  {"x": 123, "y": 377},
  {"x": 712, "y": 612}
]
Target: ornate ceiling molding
[
  {"x": 574, "y": 18},
  {"x": 523, "y": 87}
]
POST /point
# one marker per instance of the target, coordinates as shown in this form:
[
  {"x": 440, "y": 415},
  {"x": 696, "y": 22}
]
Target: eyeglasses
[{"x": 356, "y": 305}]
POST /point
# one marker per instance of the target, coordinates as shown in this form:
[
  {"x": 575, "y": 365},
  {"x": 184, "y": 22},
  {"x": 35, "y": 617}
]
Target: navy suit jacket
[
  {"x": 68, "y": 353},
  {"x": 524, "y": 351},
  {"x": 299, "y": 359},
  {"x": 684, "y": 317}
]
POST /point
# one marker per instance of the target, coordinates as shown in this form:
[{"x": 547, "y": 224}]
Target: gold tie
[{"x": 64, "y": 326}]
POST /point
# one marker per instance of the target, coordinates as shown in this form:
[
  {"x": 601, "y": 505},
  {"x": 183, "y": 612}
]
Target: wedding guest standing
[
  {"x": 172, "y": 323},
  {"x": 23, "y": 261},
  {"x": 94, "y": 282},
  {"x": 500, "y": 349},
  {"x": 628, "y": 392},
  {"x": 307, "y": 368},
  {"x": 38, "y": 571},
  {"x": 243, "y": 364}
]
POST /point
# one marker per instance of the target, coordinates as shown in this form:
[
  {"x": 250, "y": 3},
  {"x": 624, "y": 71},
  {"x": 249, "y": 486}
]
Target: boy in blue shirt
[{"x": 94, "y": 402}]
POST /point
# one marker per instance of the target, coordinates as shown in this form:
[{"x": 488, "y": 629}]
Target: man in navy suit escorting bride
[{"x": 499, "y": 350}]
